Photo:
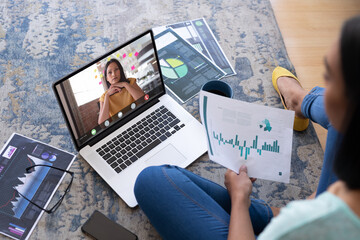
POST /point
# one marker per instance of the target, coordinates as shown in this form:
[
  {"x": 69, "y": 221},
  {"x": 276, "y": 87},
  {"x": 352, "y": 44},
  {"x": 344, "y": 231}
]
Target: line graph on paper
[{"x": 17, "y": 180}]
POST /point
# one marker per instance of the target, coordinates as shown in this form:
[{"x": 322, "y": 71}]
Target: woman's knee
[{"x": 146, "y": 178}]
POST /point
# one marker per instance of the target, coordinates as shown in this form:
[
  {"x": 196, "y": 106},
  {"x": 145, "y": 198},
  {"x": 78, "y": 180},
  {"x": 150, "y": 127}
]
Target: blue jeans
[
  {"x": 183, "y": 205},
  {"x": 313, "y": 108}
]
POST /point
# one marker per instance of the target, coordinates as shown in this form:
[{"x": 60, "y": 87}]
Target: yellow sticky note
[{"x": 130, "y": 54}]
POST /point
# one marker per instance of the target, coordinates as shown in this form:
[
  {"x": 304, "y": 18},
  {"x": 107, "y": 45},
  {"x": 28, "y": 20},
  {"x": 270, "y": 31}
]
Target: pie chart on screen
[{"x": 173, "y": 68}]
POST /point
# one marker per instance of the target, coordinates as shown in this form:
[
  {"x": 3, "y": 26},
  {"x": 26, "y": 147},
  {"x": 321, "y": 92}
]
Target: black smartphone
[{"x": 102, "y": 228}]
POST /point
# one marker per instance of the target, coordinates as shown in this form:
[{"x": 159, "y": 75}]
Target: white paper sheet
[{"x": 245, "y": 133}]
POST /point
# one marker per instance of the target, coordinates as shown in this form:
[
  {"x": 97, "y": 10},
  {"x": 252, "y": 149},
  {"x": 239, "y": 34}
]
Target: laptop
[{"x": 151, "y": 130}]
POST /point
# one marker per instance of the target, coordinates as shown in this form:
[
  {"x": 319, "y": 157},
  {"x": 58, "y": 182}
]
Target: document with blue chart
[
  {"x": 184, "y": 69},
  {"x": 240, "y": 133},
  {"x": 198, "y": 33},
  {"x": 18, "y": 216}
]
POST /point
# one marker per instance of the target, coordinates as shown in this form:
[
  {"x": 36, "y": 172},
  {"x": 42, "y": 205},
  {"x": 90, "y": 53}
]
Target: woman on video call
[{"x": 121, "y": 93}]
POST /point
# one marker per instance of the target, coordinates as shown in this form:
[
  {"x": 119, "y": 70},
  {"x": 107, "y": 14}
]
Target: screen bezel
[{"x": 153, "y": 99}]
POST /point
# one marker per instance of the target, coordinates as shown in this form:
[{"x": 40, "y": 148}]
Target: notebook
[{"x": 150, "y": 129}]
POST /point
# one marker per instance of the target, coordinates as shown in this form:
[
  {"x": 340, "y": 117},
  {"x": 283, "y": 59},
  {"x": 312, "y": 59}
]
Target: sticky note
[
  {"x": 136, "y": 54},
  {"x": 124, "y": 55},
  {"x": 130, "y": 54},
  {"x": 133, "y": 67}
]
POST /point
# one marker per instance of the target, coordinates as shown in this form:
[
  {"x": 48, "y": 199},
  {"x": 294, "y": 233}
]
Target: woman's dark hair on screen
[
  {"x": 347, "y": 162},
  {"x": 122, "y": 75}
]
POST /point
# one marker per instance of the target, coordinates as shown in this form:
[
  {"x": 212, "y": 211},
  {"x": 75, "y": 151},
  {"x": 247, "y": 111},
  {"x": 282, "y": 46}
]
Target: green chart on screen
[{"x": 173, "y": 68}]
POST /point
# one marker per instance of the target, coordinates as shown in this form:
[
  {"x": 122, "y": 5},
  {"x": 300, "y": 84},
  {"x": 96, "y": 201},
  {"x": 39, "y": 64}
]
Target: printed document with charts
[{"x": 246, "y": 133}]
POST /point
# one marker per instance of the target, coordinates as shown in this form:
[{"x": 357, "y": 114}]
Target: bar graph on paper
[
  {"x": 240, "y": 133},
  {"x": 244, "y": 147}
]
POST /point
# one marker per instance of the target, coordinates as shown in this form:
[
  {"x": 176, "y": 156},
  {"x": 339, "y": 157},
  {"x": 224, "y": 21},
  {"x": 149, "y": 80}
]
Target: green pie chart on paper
[{"x": 173, "y": 68}]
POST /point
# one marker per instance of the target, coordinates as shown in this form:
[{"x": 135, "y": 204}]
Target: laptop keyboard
[{"x": 130, "y": 145}]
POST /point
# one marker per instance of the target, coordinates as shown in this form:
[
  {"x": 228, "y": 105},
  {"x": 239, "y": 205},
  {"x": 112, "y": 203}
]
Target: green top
[{"x": 326, "y": 217}]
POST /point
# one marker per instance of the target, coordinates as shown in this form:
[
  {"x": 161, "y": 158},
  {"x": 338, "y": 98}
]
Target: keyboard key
[
  {"x": 173, "y": 132},
  {"x": 102, "y": 153},
  {"x": 113, "y": 152},
  {"x": 98, "y": 150},
  {"x": 173, "y": 123},
  {"x": 111, "y": 160},
  {"x": 128, "y": 162},
  {"x": 182, "y": 125},
  {"x": 134, "y": 158},
  {"x": 177, "y": 127},
  {"x": 134, "y": 150},
  {"x": 118, "y": 169},
  {"x": 107, "y": 156},
  {"x": 148, "y": 148},
  {"x": 114, "y": 164},
  {"x": 168, "y": 134},
  {"x": 123, "y": 166},
  {"x": 163, "y": 137}
]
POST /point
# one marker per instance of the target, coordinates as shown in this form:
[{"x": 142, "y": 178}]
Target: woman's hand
[
  {"x": 239, "y": 185},
  {"x": 113, "y": 89},
  {"x": 120, "y": 85}
]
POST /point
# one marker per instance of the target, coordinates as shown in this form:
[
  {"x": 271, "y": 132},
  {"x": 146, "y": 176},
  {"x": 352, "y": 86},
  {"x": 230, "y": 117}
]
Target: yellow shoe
[{"x": 300, "y": 124}]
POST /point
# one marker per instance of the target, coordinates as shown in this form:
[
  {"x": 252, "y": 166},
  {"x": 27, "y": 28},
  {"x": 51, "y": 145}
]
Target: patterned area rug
[{"x": 42, "y": 41}]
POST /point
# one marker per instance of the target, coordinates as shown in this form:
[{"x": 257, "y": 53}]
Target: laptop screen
[{"x": 112, "y": 87}]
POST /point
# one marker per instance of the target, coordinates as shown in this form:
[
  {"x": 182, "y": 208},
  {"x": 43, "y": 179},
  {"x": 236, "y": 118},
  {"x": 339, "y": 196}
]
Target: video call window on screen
[{"x": 80, "y": 94}]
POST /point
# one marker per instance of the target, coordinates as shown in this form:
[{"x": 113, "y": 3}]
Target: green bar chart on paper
[
  {"x": 244, "y": 147},
  {"x": 241, "y": 133}
]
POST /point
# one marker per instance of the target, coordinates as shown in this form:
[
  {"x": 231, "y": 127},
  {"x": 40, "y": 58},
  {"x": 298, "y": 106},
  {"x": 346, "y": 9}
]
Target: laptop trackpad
[{"x": 168, "y": 155}]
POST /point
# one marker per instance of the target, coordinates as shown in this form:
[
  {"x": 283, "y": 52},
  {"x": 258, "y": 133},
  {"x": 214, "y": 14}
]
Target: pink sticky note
[
  {"x": 100, "y": 83},
  {"x": 124, "y": 56},
  {"x": 136, "y": 54},
  {"x": 133, "y": 67}
]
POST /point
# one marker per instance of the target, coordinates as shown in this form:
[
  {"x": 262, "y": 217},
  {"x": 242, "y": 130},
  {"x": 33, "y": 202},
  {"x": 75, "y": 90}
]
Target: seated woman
[
  {"x": 121, "y": 93},
  {"x": 182, "y": 205}
]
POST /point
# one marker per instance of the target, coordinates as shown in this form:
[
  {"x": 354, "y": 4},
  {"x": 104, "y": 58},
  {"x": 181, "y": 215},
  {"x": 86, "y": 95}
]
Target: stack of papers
[{"x": 189, "y": 56}]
